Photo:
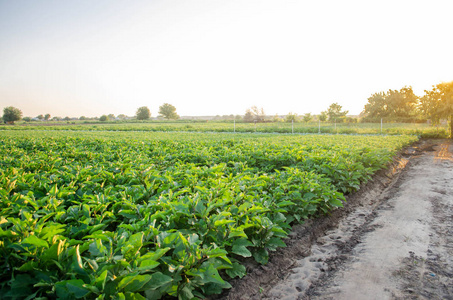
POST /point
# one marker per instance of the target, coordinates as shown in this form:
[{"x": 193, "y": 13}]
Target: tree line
[
  {"x": 394, "y": 105},
  {"x": 167, "y": 111},
  {"x": 404, "y": 105}
]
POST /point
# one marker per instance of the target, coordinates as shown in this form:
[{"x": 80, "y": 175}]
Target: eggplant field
[{"x": 147, "y": 215}]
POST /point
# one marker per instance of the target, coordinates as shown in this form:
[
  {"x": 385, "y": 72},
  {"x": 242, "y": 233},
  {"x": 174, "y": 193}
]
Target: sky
[{"x": 217, "y": 57}]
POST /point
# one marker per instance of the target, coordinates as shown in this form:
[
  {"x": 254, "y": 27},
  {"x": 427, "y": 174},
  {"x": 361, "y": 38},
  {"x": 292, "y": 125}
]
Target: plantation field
[
  {"x": 135, "y": 215},
  {"x": 423, "y": 130}
]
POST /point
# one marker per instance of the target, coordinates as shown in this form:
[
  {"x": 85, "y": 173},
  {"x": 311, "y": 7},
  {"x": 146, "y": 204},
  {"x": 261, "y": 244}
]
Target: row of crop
[
  {"x": 423, "y": 130},
  {"x": 113, "y": 218}
]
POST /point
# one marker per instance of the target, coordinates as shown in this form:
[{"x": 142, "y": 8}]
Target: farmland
[
  {"x": 420, "y": 129},
  {"x": 129, "y": 215}
]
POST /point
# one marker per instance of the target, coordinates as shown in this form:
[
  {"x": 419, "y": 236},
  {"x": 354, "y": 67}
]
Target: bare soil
[{"x": 392, "y": 240}]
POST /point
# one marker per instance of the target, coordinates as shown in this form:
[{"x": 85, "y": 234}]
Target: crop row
[
  {"x": 423, "y": 130},
  {"x": 135, "y": 216}
]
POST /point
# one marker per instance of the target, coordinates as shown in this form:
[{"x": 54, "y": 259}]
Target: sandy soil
[{"x": 393, "y": 240}]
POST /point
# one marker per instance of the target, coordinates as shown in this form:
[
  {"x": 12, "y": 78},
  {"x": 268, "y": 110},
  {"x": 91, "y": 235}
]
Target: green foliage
[
  {"x": 11, "y": 114},
  {"x": 307, "y": 117},
  {"x": 438, "y": 103},
  {"x": 334, "y": 112},
  {"x": 104, "y": 118},
  {"x": 143, "y": 113},
  {"x": 168, "y": 111},
  {"x": 392, "y": 104},
  {"x": 133, "y": 215},
  {"x": 291, "y": 117}
]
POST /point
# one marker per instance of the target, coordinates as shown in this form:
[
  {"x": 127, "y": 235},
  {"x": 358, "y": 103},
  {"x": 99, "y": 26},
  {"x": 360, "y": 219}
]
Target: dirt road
[{"x": 394, "y": 240}]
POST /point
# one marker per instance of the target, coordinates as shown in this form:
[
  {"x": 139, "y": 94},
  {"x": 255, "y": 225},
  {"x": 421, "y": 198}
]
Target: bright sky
[{"x": 217, "y": 57}]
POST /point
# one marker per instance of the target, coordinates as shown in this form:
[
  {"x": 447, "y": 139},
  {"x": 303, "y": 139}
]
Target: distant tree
[
  {"x": 143, "y": 113},
  {"x": 376, "y": 107},
  {"x": 323, "y": 116},
  {"x": 40, "y": 117},
  {"x": 441, "y": 102},
  {"x": 67, "y": 118},
  {"x": 122, "y": 116},
  {"x": 56, "y": 118},
  {"x": 82, "y": 118},
  {"x": 47, "y": 117},
  {"x": 334, "y": 112},
  {"x": 27, "y": 119},
  {"x": 307, "y": 117},
  {"x": 254, "y": 114},
  {"x": 168, "y": 111},
  {"x": 11, "y": 114},
  {"x": 277, "y": 118},
  {"x": 392, "y": 104},
  {"x": 104, "y": 118},
  {"x": 248, "y": 117},
  {"x": 111, "y": 117},
  {"x": 291, "y": 117}
]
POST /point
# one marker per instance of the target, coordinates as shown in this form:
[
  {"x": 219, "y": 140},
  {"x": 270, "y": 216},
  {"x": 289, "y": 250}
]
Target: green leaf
[
  {"x": 146, "y": 265},
  {"x": 240, "y": 247},
  {"x": 134, "y": 296},
  {"x": 154, "y": 255},
  {"x": 185, "y": 293},
  {"x": 211, "y": 274},
  {"x": 261, "y": 256},
  {"x": 223, "y": 222},
  {"x": 100, "y": 280},
  {"x": 275, "y": 243},
  {"x": 336, "y": 202},
  {"x": 133, "y": 283},
  {"x": 66, "y": 289},
  {"x": 35, "y": 241},
  {"x": 237, "y": 270},
  {"x": 157, "y": 280}
]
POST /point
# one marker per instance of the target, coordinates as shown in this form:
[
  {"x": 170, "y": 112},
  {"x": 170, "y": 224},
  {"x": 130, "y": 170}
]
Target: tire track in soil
[{"x": 388, "y": 241}]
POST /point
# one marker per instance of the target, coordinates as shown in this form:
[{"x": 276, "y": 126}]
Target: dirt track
[{"x": 393, "y": 240}]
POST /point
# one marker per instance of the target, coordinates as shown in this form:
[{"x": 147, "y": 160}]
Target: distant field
[
  {"x": 129, "y": 215},
  {"x": 423, "y": 130}
]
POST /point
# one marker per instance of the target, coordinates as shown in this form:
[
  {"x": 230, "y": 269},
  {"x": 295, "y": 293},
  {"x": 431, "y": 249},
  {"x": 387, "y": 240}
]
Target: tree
[
  {"x": 254, "y": 114},
  {"x": 11, "y": 114},
  {"x": 323, "y": 116},
  {"x": 440, "y": 100},
  {"x": 392, "y": 104},
  {"x": 376, "y": 107},
  {"x": 82, "y": 118},
  {"x": 143, "y": 113},
  {"x": 27, "y": 119},
  {"x": 47, "y": 117},
  {"x": 104, "y": 118},
  {"x": 111, "y": 117},
  {"x": 334, "y": 112},
  {"x": 40, "y": 117},
  {"x": 291, "y": 117},
  {"x": 168, "y": 111},
  {"x": 67, "y": 118},
  {"x": 122, "y": 116},
  {"x": 307, "y": 117}
]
